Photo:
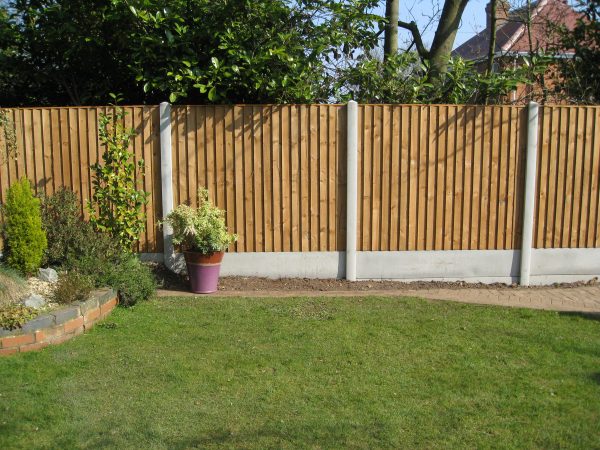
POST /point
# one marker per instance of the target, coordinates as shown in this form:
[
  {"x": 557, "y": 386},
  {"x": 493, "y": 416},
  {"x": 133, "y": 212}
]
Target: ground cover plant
[{"x": 310, "y": 373}]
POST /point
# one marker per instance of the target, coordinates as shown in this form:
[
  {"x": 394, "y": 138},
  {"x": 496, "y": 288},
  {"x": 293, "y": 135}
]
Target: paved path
[{"x": 577, "y": 299}]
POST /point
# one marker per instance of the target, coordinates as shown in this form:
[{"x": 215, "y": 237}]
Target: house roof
[{"x": 512, "y": 36}]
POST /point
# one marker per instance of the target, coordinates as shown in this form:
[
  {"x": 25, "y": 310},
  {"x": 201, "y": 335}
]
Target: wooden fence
[{"x": 438, "y": 177}]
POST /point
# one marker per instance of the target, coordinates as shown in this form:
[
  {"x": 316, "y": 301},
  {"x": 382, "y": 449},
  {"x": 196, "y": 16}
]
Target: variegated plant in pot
[{"x": 203, "y": 237}]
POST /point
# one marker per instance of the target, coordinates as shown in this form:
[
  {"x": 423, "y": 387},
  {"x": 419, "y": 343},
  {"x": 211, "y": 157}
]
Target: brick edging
[{"x": 60, "y": 325}]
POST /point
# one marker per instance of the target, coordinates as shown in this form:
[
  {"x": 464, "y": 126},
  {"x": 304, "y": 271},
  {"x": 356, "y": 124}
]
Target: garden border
[{"x": 58, "y": 326}]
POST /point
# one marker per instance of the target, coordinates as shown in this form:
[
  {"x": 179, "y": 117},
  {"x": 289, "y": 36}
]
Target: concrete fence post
[
  {"x": 166, "y": 175},
  {"x": 529, "y": 200},
  {"x": 351, "y": 191}
]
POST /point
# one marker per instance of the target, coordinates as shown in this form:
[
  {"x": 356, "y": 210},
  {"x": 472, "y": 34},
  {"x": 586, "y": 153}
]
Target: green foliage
[
  {"x": 403, "y": 78},
  {"x": 200, "y": 229},
  {"x": 72, "y": 287},
  {"x": 133, "y": 280},
  {"x": 581, "y": 74},
  {"x": 15, "y": 316},
  {"x": 67, "y": 233},
  {"x": 23, "y": 232},
  {"x": 116, "y": 206}
]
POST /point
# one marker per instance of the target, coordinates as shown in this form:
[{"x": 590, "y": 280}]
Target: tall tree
[
  {"x": 390, "y": 45},
  {"x": 439, "y": 53}
]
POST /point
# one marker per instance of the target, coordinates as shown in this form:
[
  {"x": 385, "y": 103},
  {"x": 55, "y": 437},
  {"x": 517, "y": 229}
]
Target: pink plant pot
[{"x": 203, "y": 271}]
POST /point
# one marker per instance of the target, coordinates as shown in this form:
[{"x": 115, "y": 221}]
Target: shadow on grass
[{"x": 585, "y": 315}]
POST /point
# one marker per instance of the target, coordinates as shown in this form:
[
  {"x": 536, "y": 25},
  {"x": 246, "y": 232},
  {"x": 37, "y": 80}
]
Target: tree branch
[{"x": 412, "y": 27}]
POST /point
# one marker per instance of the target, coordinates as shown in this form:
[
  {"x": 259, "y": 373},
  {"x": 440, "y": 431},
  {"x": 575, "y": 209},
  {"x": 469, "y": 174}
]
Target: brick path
[{"x": 580, "y": 299}]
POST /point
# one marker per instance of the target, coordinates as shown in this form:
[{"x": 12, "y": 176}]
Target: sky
[{"x": 473, "y": 20}]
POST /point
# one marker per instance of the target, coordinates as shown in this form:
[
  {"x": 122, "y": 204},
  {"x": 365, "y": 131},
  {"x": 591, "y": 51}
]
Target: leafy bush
[
  {"x": 72, "y": 287},
  {"x": 123, "y": 272},
  {"x": 116, "y": 204},
  {"x": 15, "y": 316},
  {"x": 200, "y": 229},
  {"x": 67, "y": 233},
  {"x": 25, "y": 237}
]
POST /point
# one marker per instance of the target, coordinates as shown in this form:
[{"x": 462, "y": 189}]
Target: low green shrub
[
  {"x": 66, "y": 231},
  {"x": 24, "y": 236},
  {"x": 124, "y": 272},
  {"x": 72, "y": 287},
  {"x": 133, "y": 280},
  {"x": 15, "y": 316}
]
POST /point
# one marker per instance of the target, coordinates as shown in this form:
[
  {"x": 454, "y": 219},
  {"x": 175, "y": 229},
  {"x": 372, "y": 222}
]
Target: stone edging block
[{"x": 58, "y": 326}]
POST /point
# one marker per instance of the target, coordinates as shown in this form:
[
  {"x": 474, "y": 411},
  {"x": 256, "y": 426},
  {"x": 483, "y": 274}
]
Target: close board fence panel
[
  {"x": 430, "y": 177},
  {"x": 567, "y": 207},
  {"x": 277, "y": 171},
  {"x": 55, "y": 147},
  {"x": 440, "y": 177}
]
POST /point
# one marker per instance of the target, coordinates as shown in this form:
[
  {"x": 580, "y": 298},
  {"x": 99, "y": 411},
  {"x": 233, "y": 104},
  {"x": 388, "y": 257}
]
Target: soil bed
[{"x": 171, "y": 281}]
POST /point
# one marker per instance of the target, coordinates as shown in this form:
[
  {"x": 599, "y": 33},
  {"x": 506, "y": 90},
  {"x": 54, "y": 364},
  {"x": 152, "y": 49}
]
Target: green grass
[{"x": 321, "y": 373}]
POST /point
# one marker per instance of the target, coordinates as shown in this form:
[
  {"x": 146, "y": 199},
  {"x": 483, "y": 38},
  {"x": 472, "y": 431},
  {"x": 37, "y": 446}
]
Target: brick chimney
[{"x": 502, "y": 9}]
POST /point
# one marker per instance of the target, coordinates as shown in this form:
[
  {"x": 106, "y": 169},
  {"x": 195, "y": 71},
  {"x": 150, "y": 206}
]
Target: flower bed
[{"x": 60, "y": 325}]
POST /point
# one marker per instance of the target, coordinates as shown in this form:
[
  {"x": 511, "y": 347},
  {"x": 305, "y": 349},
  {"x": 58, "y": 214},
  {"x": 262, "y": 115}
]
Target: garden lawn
[{"x": 310, "y": 373}]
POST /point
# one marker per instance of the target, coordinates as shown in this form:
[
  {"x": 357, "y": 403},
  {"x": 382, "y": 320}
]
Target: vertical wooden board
[
  {"x": 588, "y": 150},
  {"x": 304, "y": 187},
  {"x": 458, "y": 121},
  {"x": 331, "y": 177},
  {"x": 594, "y": 230},
  {"x": 28, "y": 149},
  {"x": 295, "y": 169},
  {"x": 248, "y": 179},
  {"x": 323, "y": 164},
  {"x": 56, "y": 149},
  {"x": 229, "y": 181},
  {"x": 286, "y": 178},
  {"x": 267, "y": 140},
  {"x": 184, "y": 195},
  {"x": 484, "y": 197},
  {"x": 18, "y": 162},
  {"x": 553, "y": 155},
  {"x": 406, "y": 164},
  {"x": 440, "y": 167},
  {"x": 449, "y": 124},
  {"x": 503, "y": 150},
  {"x": 238, "y": 149},
  {"x": 191, "y": 169},
  {"x": 470, "y": 165},
  {"x": 422, "y": 147},
  {"x": 386, "y": 165},
  {"x": 209, "y": 146},
  {"x": 4, "y": 182},
  {"x": 431, "y": 174},
  {"x": 412, "y": 228},
  {"x": 139, "y": 144},
  {"x": 74, "y": 151},
  {"x": 560, "y": 202},
  {"x": 494, "y": 183},
  {"x": 376, "y": 169},
  {"x": 65, "y": 148},
  {"x": 38, "y": 148},
  {"x": 367, "y": 155},
  {"x": 544, "y": 176},
  {"x": 11, "y": 163},
  {"x": 200, "y": 138},
  {"x": 477, "y": 145},
  {"x": 570, "y": 155},
  {"x": 46, "y": 128},
  {"x": 509, "y": 128},
  {"x": 576, "y": 175},
  {"x": 396, "y": 168},
  {"x": 93, "y": 114},
  {"x": 313, "y": 176},
  {"x": 84, "y": 158},
  {"x": 144, "y": 127},
  {"x": 341, "y": 175},
  {"x": 219, "y": 136},
  {"x": 276, "y": 186}
]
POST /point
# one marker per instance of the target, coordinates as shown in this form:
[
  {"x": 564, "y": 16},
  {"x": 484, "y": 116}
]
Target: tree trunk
[
  {"x": 492, "y": 47},
  {"x": 390, "y": 44},
  {"x": 443, "y": 41}
]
